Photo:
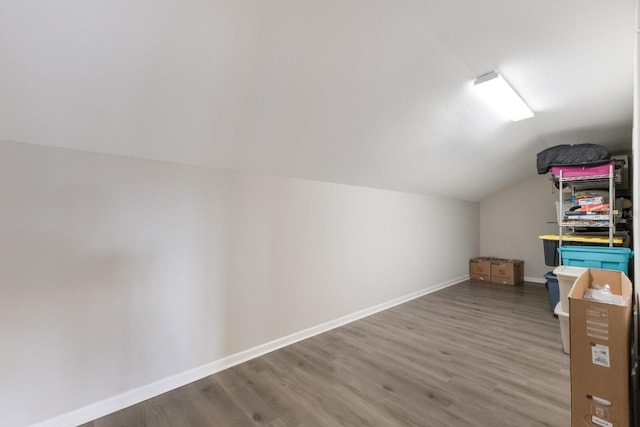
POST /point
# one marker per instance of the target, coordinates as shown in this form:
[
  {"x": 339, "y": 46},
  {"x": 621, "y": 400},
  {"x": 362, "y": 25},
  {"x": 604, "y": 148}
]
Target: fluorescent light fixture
[{"x": 495, "y": 89}]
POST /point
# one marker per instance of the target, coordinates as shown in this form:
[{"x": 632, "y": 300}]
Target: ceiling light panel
[{"x": 497, "y": 92}]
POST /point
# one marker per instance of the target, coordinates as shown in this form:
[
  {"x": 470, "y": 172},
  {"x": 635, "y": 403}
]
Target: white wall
[
  {"x": 116, "y": 272},
  {"x": 635, "y": 155},
  {"x": 512, "y": 219}
]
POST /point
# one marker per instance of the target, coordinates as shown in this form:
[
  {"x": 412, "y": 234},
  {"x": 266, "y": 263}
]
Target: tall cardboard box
[
  {"x": 507, "y": 271},
  {"x": 480, "y": 268},
  {"x": 600, "y": 348}
]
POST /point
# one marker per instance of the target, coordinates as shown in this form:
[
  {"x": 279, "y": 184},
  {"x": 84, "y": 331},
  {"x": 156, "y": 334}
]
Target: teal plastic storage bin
[{"x": 596, "y": 257}]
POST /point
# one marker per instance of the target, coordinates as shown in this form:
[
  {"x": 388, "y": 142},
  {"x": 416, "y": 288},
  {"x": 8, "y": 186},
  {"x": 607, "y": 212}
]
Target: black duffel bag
[{"x": 572, "y": 155}]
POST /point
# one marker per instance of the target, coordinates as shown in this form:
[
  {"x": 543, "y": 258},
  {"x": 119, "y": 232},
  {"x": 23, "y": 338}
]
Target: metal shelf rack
[{"x": 588, "y": 182}]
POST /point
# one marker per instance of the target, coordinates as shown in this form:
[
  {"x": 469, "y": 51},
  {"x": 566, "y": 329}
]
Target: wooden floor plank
[{"x": 473, "y": 354}]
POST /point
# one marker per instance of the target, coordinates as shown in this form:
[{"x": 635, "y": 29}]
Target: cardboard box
[
  {"x": 480, "y": 268},
  {"x": 600, "y": 348},
  {"x": 507, "y": 271}
]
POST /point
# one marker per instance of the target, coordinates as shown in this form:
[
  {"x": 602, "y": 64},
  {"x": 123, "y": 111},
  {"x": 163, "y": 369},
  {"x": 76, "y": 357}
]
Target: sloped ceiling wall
[{"x": 371, "y": 93}]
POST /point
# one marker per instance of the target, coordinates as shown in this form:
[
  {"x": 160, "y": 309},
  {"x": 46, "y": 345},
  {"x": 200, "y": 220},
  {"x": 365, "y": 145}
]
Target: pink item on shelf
[{"x": 582, "y": 171}]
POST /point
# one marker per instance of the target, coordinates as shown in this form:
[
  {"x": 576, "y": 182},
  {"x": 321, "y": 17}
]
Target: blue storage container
[
  {"x": 553, "y": 288},
  {"x": 597, "y": 257}
]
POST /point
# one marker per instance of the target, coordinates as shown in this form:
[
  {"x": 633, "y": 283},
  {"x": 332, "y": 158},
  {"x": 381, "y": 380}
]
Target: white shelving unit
[{"x": 588, "y": 183}]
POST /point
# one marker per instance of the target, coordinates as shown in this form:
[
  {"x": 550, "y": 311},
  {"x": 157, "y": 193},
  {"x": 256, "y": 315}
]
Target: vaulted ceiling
[{"x": 364, "y": 92}]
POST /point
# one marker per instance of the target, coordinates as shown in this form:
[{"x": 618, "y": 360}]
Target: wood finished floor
[{"x": 473, "y": 354}]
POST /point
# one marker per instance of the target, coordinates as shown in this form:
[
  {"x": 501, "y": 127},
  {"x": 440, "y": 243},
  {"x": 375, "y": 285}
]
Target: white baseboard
[
  {"x": 535, "y": 279},
  {"x": 132, "y": 397}
]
